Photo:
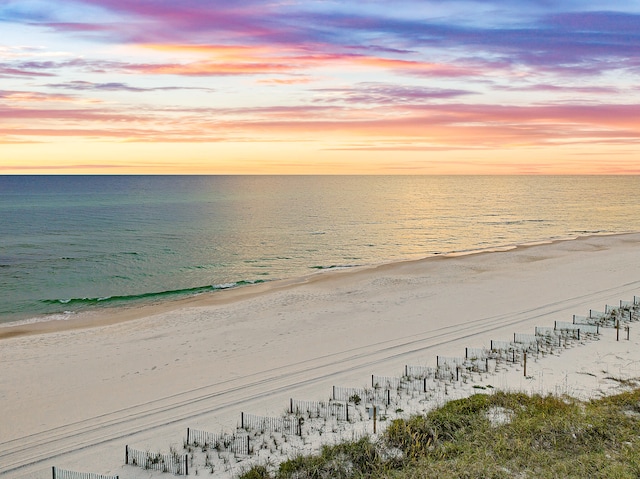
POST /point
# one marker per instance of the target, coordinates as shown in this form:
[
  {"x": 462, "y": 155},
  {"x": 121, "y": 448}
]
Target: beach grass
[{"x": 499, "y": 435}]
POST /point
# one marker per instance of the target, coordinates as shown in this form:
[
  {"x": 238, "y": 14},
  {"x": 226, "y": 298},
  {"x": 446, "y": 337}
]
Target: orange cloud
[
  {"x": 252, "y": 60},
  {"x": 34, "y": 97}
]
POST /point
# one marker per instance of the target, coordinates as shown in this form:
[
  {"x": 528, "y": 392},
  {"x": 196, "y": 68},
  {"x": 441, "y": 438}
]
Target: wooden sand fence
[
  {"x": 629, "y": 309},
  {"x": 364, "y": 395},
  {"x": 602, "y": 318},
  {"x": 612, "y": 310},
  {"x": 399, "y": 384},
  {"x": 426, "y": 374},
  {"x": 173, "y": 463},
  {"x": 627, "y": 304},
  {"x": 527, "y": 341},
  {"x": 583, "y": 330},
  {"x": 507, "y": 351},
  {"x": 420, "y": 372},
  {"x": 238, "y": 444},
  {"x": 478, "y": 359},
  {"x": 450, "y": 367},
  {"x": 632, "y": 308},
  {"x": 58, "y": 473},
  {"x": 284, "y": 425},
  {"x": 477, "y": 353},
  {"x": 556, "y": 337},
  {"x": 320, "y": 409},
  {"x": 577, "y": 319},
  {"x": 477, "y": 365}
]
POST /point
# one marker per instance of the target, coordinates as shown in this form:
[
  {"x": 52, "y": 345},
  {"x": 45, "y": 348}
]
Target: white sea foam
[{"x": 64, "y": 316}]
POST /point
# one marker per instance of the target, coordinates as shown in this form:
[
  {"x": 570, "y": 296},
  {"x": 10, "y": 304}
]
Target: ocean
[{"x": 73, "y": 243}]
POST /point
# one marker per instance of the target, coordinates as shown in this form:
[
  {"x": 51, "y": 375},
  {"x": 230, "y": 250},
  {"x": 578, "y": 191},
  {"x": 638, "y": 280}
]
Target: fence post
[
  {"x": 525, "y": 364},
  {"x": 334, "y": 393},
  {"x": 186, "y": 464},
  {"x": 617, "y": 330},
  {"x": 53, "y": 472},
  {"x": 126, "y": 454},
  {"x": 628, "y": 328},
  {"x": 388, "y": 397},
  {"x": 300, "y": 421},
  {"x": 424, "y": 385},
  {"x": 372, "y": 384},
  {"x": 187, "y": 435},
  {"x": 347, "y": 407},
  {"x": 406, "y": 370},
  {"x": 374, "y": 418},
  {"x": 466, "y": 353},
  {"x": 241, "y": 420},
  {"x": 457, "y": 373},
  {"x": 291, "y": 405}
]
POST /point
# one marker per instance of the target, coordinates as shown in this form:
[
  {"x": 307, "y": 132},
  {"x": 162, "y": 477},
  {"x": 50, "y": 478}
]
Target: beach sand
[{"x": 73, "y": 393}]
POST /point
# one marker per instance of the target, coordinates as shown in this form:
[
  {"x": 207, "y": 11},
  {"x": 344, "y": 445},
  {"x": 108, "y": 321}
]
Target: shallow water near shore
[{"x": 76, "y": 243}]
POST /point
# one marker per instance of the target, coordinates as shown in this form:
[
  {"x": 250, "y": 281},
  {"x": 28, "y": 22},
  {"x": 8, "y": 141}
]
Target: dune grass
[{"x": 501, "y": 435}]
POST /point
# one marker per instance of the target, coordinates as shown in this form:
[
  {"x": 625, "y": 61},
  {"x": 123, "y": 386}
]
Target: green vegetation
[{"x": 490, "y": 436}]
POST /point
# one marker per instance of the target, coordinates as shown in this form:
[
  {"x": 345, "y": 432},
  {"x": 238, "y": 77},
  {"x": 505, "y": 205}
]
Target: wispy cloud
[
  {"x": 11, "y": 72},
  {"x": 17, "y": 96},
  {"x": 385, "y": 94},
  {"x": 80, "y": 85}
]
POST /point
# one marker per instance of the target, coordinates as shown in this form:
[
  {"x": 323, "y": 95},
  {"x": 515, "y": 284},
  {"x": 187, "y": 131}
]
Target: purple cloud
[
  {"x": 80, "y": 85},
  {"x": 7, "y": 71},
  {"x": 385, "y": 94}
]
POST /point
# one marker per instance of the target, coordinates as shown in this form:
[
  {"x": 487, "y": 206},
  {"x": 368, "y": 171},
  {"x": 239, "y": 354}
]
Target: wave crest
[{"x": 123, "y": 299}]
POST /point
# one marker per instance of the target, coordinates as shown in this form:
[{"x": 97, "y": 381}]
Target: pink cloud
[
  {"x": 85, "y": 115},
  {"x": 415, "y": 117},
  {"x": 584, "y": 90},
  {"x": 287, "y": 81},
  {"x": 14, "y": 96},
  {"x": 8, "y": 72}
]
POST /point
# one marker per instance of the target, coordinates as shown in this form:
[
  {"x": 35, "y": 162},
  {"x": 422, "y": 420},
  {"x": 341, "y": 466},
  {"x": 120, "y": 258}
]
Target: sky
[{"x": 319, "y": 87}]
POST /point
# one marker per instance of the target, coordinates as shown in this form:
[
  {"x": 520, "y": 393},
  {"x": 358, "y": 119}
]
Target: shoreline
[
  {"x": 74, "y": 398},
  {"x": 117, "y": 314}
]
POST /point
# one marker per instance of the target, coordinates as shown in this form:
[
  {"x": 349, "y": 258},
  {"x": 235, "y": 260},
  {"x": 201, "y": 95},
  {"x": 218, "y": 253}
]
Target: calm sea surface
[{"x": 70, "y": 243}]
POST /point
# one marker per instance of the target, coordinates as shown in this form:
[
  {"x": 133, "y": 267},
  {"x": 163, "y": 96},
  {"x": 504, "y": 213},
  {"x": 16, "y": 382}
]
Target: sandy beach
[{"x": 74, "y": 393}]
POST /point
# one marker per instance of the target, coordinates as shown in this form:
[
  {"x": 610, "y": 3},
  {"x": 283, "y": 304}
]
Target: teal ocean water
[{"x": 72, "y": 243}]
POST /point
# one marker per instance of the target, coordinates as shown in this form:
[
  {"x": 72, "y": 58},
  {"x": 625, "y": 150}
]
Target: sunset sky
[{"x": 320, "y": 86}]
